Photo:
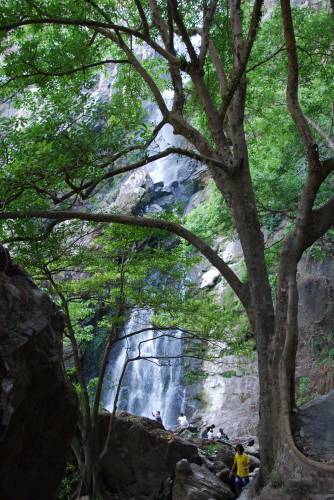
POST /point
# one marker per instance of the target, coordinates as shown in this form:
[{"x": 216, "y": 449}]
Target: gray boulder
[
  {"x": 195, "y": 482},
  {"x": 141, "y": 456},
  {"x": 226, "y": 454},
  {"x": 38, "y": 406},
  {"x": 315, "y": 429},
  {"x": 133, "y": 191}
]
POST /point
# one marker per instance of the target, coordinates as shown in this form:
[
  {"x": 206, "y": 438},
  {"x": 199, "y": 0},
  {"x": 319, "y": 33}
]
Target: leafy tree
[
  {"x": 226, "y": 89},
  {"x": 105, "y": 272}
]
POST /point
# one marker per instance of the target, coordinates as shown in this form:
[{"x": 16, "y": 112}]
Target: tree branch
[
  {"x": 329, "y": 141},
  {"x": 240, "y": 289},
  {"x": 65, "y": 72},
  {"x": 96, "y": 25},
  {"x": 241, "y": 64},
  {"x": 221, "y": 74},
  {"x": 116, "y": 38},
  {"x": 293, "y": 85},
  {"x": 183, "y": 31},
  {"x": 143, "y": 18},
  {"x": 207, "y": 21},
  {"x": 322, "y": 220},
  {"x": 266, "y": 59}
]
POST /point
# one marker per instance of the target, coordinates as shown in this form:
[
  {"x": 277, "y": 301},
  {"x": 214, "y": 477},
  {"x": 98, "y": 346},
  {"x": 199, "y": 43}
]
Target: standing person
[
  {"x": 241, "y": 464},
  {"x": 183, "y": 421},
  {"x": 157, "y": 416}
]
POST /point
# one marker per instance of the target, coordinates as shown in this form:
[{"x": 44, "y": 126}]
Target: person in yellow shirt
[{"x": 241, "y": 465}]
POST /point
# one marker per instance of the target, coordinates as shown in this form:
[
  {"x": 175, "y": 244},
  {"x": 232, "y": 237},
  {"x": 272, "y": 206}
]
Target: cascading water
[
  {"x": 155, "y": 383},
  {"x": 150, "y": 384}
]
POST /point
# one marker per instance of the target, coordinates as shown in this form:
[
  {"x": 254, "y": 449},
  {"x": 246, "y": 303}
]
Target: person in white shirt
[
  {"x": 183, "y": 421},
  {"x": 211, "y": 435}
]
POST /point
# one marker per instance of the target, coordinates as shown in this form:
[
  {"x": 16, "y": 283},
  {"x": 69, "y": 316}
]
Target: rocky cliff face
[
  {"x": 38, "y": 407},
  {"x": 315, "y": 367},
  {"x": 231, "y": 401},
  {"x": 228, "y": 395}
]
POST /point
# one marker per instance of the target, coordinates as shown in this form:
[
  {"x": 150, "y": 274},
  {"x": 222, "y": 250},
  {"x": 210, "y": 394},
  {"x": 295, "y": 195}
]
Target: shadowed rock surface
[
  {"x": 195, "y": 482},
  {"x": 315, "y": 429},
  {"x": 141, "y": 456},
  {"x": 38, "y": 407}
]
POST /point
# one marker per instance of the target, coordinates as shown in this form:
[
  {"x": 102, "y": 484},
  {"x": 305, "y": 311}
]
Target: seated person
[
  {"x": 211, "y": 435},
  {"x": 221, "y": 435},
  {"x": 205, "y": 433},
  {"x": 183, "y": 421}
]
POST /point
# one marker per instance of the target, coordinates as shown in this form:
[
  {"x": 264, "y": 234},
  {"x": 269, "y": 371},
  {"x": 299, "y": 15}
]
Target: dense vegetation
[{"x": 270, "y": 162}]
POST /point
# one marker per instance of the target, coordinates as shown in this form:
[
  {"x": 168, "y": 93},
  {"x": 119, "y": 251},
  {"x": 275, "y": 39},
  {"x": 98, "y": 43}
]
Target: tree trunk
[
  {"x": 92, "y": 483},
  {"x": 292, "y": 474},
  {"x": 239, "y": 195}
]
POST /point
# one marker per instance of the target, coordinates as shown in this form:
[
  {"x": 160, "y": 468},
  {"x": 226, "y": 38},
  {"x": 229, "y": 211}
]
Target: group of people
[
  {"x": 240, "y": 469},
  {"x": 209, "y": 433}
]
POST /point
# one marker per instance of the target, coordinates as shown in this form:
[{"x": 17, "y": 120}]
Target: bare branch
[
  {"x": 86, "y": 189},
  {"x": 187, "y": 334},
  {"x": 116, "y": 38},
  {"x": 65, "y": 72},
  {"x": 163, "y": 154},
  {"x": 266, "y": 59}
]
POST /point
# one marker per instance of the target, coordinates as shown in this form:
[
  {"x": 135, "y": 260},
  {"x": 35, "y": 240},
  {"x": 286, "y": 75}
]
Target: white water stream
[
  {"x": 155, "y": 383},
  {"x": 150, "y": 384}
]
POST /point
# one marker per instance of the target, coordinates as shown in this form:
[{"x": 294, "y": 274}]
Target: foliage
[
  {"x": 322, "y": 347},
  {"x": 211, "y": 449},
  {"x": 211, "y": 217},
  {"x": 69, "y": 482},
  {"x": 193, "y": 377},
  {"x": 303, "y": 394}
]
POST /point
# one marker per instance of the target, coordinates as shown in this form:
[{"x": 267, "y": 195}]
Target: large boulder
[
  {"x": 134, "y": 191},
  {"x": 141, "y": 455},
  {"x": 226, "y": 454},
  {"x": 314, "y": 428},
  {"x": 38, "y": 407},
  {"x": 195, "y": 482}
]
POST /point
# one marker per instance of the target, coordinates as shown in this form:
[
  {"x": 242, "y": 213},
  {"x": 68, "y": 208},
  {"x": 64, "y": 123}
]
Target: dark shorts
[{"x": 241, "y": 482}]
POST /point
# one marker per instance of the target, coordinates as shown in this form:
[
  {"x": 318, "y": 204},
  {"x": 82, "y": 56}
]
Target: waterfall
[
  {"x": 149, "y": 384},
  {"x": 165, "y": 170},
  {"x": 157, "y": 382}
]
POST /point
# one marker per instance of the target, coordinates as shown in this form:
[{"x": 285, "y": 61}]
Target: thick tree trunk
[
  {"x": 292, "y": 475},
  {"x": 92, "y": 483},
  {"x": 238, "y": 193}
]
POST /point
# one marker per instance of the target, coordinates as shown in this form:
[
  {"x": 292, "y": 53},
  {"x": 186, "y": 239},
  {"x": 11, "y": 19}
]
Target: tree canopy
[{"x": 252, "y": 97}]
